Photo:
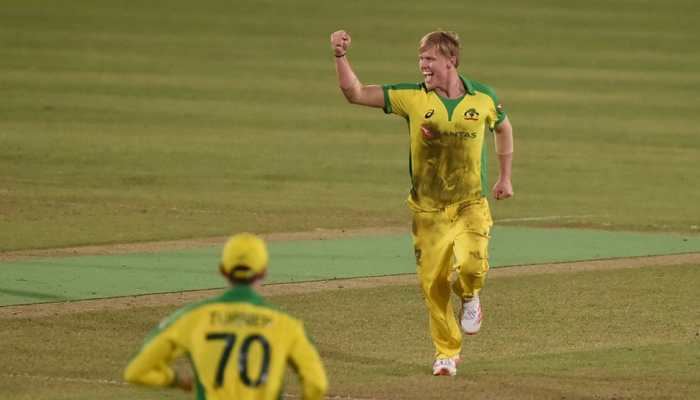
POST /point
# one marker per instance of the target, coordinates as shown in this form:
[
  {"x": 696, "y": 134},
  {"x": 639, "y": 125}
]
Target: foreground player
[
  {"x": 238, "y": 345},
  {"x": 447, "y": 115}
]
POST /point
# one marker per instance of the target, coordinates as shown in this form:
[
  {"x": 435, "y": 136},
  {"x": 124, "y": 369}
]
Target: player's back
[{"x": 239, "y": 346}]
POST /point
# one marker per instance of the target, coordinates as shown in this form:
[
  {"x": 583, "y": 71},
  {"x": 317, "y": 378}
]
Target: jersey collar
[
  {"x": 243, "y": 293},
  {"x": 467, "y": 85}
]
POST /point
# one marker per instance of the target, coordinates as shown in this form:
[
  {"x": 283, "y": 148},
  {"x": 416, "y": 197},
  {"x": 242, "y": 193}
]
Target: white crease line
[{"x": 548, "y": 218}]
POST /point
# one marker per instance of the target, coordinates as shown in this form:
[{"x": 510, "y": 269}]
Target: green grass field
[
  {"x": 173, "y": 120},
  {"x": 126, "y": 122},
  {"x": 604, "y": 340}
]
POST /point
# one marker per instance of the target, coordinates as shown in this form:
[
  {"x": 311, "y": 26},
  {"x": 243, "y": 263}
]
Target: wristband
[{"x": 342, "y": 55}]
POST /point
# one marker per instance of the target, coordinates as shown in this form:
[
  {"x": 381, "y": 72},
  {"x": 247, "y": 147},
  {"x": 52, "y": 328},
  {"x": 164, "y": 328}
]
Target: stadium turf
[{"x": 86, "y": 277}]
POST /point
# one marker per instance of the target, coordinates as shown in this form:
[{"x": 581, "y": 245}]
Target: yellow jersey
[
  {"x": 238, "y": 346},
  {"x": 449, "y": 166}
]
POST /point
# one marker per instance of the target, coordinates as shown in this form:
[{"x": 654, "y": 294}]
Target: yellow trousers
[{"x": 451, "y": 247}]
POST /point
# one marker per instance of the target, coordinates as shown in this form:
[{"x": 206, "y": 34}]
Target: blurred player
[
  {"x": 237, "y": 344},
  {"x": 447, "y": 116}
]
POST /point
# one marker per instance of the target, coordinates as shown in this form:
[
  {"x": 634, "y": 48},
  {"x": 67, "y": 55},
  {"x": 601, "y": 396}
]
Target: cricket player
[
  {"x": 238, "y": 345},
  {"x": 447, "y": 116}
]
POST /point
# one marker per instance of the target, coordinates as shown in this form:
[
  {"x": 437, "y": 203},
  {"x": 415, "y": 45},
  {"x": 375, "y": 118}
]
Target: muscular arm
[
  {"x": 504, "y": 149},
  {"x": 355, "y": 92}
]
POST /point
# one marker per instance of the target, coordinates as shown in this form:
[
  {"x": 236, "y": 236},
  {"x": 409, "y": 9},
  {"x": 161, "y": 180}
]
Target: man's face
[{"x": 435, "y": 67}]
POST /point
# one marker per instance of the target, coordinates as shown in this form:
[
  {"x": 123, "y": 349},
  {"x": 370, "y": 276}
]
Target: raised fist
[{"x": 340, "y": 42}]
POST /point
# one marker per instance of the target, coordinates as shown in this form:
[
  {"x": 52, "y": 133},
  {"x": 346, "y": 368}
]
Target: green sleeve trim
[
  {"x": 397, "y": 86},
  {"x": 480, "y": 87},
  {"x": 499, "y": 120},
  {"x": 387, "y": 102}
]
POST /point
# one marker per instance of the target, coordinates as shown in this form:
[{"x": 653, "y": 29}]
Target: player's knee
[{"x": 476, "y": 263}]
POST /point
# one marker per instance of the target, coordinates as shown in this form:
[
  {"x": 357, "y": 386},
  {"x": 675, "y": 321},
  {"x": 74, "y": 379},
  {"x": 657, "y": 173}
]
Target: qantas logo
[{"x": 461, "y": 135}]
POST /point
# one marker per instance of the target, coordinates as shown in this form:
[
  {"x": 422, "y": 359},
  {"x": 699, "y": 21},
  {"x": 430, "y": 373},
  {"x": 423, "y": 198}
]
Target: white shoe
[
  {"x": 445, "y": 366},
  {"x": 471, "y": 316}
]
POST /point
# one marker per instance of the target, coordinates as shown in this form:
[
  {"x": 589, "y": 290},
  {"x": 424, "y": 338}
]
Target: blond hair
[{"x": 446, "y": 42}]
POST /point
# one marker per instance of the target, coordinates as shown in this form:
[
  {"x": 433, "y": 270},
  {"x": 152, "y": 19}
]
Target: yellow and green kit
[
  {"x": 238, "y": 345},
  {"x": 451, "y": 216}
]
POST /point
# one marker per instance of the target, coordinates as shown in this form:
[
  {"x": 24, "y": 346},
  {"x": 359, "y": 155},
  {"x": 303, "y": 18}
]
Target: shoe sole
[
  {"x": 442, "y": 372},
  {"x": 470, "y": 333},
  {"x": 445, "y": 371}
]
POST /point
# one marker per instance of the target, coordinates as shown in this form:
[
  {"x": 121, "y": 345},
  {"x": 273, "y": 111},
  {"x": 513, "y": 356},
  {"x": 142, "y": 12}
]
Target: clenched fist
[{"x": 340, "y": 42}]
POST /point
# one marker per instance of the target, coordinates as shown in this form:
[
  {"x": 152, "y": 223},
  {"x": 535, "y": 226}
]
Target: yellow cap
[{"x": 244, "y": 256}]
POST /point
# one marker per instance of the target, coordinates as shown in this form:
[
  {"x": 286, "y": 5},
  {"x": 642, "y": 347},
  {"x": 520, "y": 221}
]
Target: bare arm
[
  {"x": 503, "y": 188},
  {"x": 355, "y": 92}
]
